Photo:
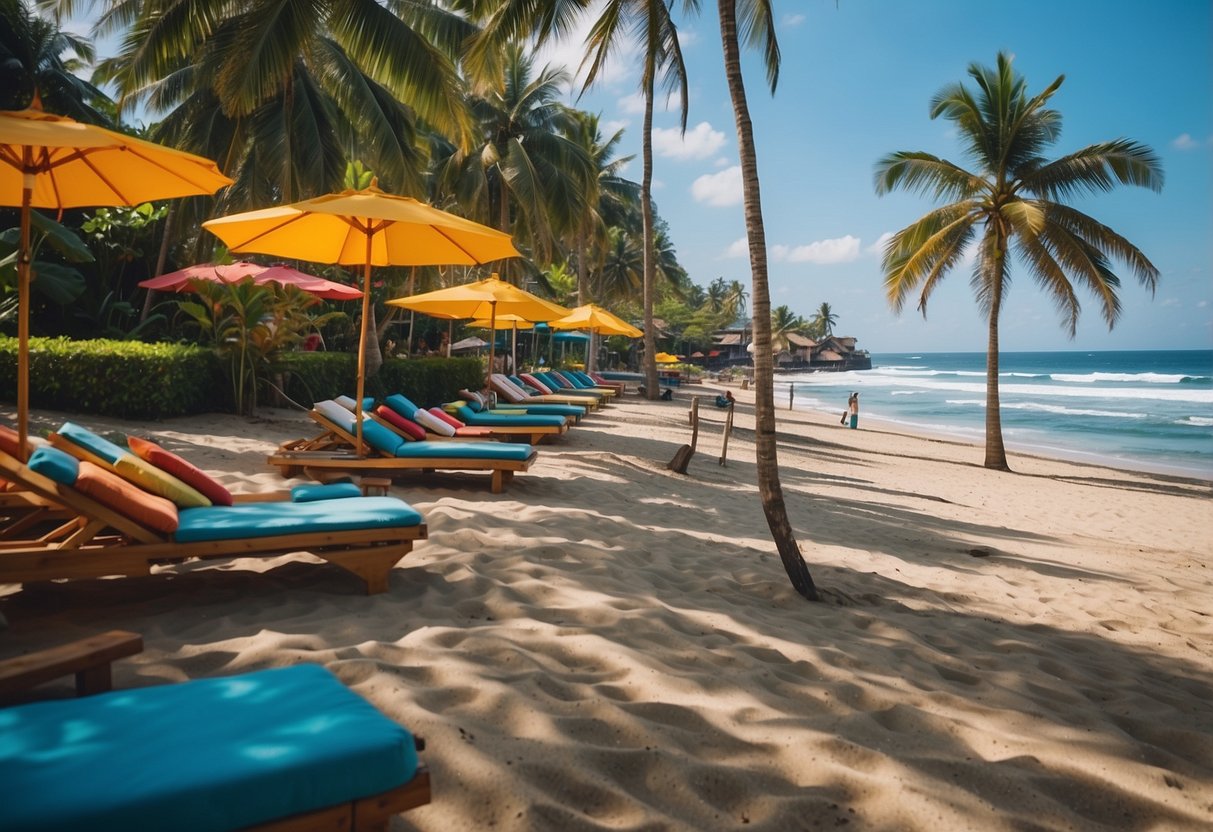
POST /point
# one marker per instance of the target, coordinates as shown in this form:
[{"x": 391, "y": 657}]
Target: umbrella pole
[
  {"x": 450, "y": 333},
  {"x": 514, "y": 346},
  {"x": 366, "y": 308},
  {"x": 492, "y": 344},
  {"x": 23, "y": 294}
]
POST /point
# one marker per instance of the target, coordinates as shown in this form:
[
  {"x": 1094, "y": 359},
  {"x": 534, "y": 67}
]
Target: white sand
[{"x": 609, "y": 645}]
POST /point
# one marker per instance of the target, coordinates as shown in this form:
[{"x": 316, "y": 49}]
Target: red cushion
[
  {"x": 448, "y": 418},
  {"x": 408, "y": 427},
  {"x": 127, "y": 499},
  {"x": 183, "y": 470},
  {"x": 8, "y": 440},
  {"x": 536, "y": 383}
]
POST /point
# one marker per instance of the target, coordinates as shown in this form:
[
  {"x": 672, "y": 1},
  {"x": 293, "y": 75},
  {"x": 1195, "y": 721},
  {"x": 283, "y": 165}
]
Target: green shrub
[
  {"x": 123, "y": 379},
  {"x": 313, "y": 376}
]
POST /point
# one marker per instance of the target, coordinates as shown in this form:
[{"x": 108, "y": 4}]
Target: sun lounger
[
  {"x": 458, "y": 420},
  {"x": 620, "y": 387},
  {"x": 541, "y": 382},
  {"x": 569, "y": 382},
  {"x": 573, "y": 413},
  {"x": 114, "y": 527},
  {"x": 511, "y": 392},
  {"x": 390, "y": 455},
  {"x": 283, "y": 749}
]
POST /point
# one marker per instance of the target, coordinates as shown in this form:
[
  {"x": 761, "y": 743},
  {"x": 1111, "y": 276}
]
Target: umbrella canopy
[
  {"x": 49, "y": 161},
  {"x": 367, "y": 228},
  {"x": 180, "y": 280},
  {"x": 666, "y": 358},
  {"x": 472, "y": 343},
  {"x": 485, "y": 300},
  {"x": 502, "y": 322},
  {"x": 595, "y": 318}
]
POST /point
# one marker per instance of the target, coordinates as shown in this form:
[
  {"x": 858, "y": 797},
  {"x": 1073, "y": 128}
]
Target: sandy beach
[{"x": 611, "y": 645}]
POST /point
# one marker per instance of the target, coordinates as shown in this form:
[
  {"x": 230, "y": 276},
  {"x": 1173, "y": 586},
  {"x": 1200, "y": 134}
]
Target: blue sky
[{"x": 856, "y": 80}]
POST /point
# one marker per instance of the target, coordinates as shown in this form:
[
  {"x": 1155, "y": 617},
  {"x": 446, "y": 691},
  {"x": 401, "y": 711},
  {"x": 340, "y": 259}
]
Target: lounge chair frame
[
  {"x": 95, "y": 541},
  {"x": 322, "y": 458}
]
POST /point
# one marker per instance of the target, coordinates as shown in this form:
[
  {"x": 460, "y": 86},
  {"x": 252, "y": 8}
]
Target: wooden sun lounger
[
  {"x": 95, "y": 541},
  {"x": 91, "y": 658},
  {"x": 504, "y": 398},
  {"x": 331, "y": 455}
]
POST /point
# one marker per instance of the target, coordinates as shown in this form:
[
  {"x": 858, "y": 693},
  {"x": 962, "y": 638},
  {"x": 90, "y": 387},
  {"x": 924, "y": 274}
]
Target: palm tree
[
  {"x": 825, "y": 320},
  {"x": 622, "y": 273},
  {"x": 1014, "y": 198},
  {"x": 44, "y": 62},
  {"x": 784, "y": 322},
  {"x": 522, "y": 175},
  {"x": 284, "y": 95},
  {"x": 759, "y": 25},
  {"x": 737, "y": 299},
  {"x": 661, "y": 54}
]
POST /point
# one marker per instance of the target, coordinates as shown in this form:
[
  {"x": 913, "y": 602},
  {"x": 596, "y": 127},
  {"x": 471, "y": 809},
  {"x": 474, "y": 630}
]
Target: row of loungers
[{"x": 400, "y": 437}]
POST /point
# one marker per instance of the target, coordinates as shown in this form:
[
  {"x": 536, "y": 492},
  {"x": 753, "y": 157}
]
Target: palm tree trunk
[
  {"x": 996, "y": 454},
  {"x": 764, "y": 375},
  {"x": 650, "y": 264}
]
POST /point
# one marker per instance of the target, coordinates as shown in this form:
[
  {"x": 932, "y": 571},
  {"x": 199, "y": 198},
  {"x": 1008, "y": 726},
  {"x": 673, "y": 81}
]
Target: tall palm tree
[
  {"x": 284, "y": 94},
  {"x": 522, "y": 174},
  {"x": 1012, "y": 198},
  {"x": 652, "y": 23},
  {"x": 825, "y": 319},
  {"x": 737, "y": 299},
  {"x": 759, "y": 26}
]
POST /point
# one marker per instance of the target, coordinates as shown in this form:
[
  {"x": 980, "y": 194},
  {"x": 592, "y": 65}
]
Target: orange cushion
[
  {"x": 127, "y": 499},
  {"x": 8, "y": 440},
  {"x": 182, "y": 469}
]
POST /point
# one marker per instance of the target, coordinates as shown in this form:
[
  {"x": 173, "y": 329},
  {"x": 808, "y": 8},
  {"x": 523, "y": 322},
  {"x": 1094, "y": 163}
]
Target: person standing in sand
[{"x": 853, "y": 409}]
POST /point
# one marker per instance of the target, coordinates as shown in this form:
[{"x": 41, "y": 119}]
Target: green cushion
[
  {"x": 267, "y": 519},
  {"x": 465, "y": 450},
  {"x": 203, "y": 756}
]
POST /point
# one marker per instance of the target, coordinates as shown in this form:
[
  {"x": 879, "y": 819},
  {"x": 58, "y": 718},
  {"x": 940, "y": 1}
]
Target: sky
[{"x": 856, "y": 81}]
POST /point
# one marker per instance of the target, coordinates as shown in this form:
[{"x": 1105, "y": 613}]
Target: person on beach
[
  {"x": 853, "y": 407},
  {"x": 846, "y": 414}
]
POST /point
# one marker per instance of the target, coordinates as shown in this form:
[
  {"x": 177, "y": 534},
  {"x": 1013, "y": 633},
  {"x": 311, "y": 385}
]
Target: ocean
[{"x": 1149, "y": 410}]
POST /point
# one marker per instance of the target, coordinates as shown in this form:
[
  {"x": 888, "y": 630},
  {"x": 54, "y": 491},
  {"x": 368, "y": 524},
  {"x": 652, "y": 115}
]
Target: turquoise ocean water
[{"x": 1143, "y": 410}]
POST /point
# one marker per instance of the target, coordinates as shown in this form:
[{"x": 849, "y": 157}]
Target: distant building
[{"x": 801, "y": 353}]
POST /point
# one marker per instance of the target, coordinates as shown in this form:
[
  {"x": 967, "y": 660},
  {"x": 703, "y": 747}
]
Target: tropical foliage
[{"x": 1012, "y": 202}]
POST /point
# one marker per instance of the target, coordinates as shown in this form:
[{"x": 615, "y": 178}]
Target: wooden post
[
  {"x": 728, "y": 431},
  {"x": 682, "y": 457},
  {"x": 791, "y": 393}
]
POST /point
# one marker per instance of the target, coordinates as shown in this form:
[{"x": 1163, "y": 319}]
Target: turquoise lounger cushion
[
  {"x": 196, "y": 525},
  {"x": 466, "y": 415},
  {"x": 90, "y": 441},
  {"x": 401, "y": 405},
  {"x": 203, "y": 756},
  {"x": 55, "y": 464},
  {"x": 465, "y": 450},
  {"x": 331, "y": 491},
  {"x": 384, "y": 440}
]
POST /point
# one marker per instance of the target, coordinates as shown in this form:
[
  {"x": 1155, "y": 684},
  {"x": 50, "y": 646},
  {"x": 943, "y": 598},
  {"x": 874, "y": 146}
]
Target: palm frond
[
  {"x": 926, "y": 174},
  {"x": 756, "y": 27},
  {"x": 1097, "y": 168}
]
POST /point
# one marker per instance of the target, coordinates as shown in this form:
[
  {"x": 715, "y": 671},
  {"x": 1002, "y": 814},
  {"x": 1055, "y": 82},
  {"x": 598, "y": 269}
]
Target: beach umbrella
[
  {"x": 180, "y": 280},
  {"x": 598, "y": 321},
  {"x": 49, "y": 161},
  {"x": 666, "y": 358},
  {"x": 510, "y": 322},
  {"x": 483, "y": 300},
  {"x": 363, "y": 228}
]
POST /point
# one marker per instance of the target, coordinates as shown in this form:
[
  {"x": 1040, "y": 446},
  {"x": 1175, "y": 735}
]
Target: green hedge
[
  {"x": 123, "y": 379},
  {"x": 312, "y": 376},
  {"x": 134, "y": 380}
]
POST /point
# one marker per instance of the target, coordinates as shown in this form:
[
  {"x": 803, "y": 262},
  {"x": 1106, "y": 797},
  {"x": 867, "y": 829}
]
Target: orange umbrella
[
  {"x": 366, "y": 228},
  {"x": 49, "y": 161}
]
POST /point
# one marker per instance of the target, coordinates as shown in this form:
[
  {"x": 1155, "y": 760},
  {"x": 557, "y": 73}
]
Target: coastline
[{"x": 612, "y": 645}]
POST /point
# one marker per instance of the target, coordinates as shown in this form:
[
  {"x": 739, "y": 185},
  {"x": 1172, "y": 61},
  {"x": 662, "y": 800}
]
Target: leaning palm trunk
[
  {"x": 764, "y": 376},
  {"x": 650, "y": 265}
]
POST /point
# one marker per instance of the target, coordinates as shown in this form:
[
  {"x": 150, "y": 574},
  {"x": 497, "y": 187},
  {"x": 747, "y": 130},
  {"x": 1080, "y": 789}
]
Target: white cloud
[
  {"x": 838, "y": 250},
  {"x": 877, "y": 248},
  {"x": 719, "y": 189},
  {"x": 568, "y": 52},
  {"x": 793, "y": 20},
  {"x": 738, "y": 249},
  {"x": 612, "y": 126},
  {"x": 632, "y": 105},
  {"x": 700, "y": 142},
  {"x": 1184, "y": 141},
  {"x": 657, "y": 185}
]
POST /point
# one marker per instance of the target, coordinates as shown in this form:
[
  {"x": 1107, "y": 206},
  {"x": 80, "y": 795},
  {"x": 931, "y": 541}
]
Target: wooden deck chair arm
[{"x": 88, "y": 658}]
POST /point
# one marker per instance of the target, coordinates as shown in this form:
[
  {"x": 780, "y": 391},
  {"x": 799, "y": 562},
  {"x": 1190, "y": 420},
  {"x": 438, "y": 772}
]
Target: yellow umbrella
[
  {"x": 363, "y": 228},
  {"x": 49, "y": 161},
  {"x": 598, "y": 321},
  {"x": 666, "y": 358},
  {"x": 510, "y": 322},
  {"x": 483, "y": 300}
]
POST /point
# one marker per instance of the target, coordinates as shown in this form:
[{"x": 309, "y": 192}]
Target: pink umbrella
[{"x": 179, "y": 281}]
